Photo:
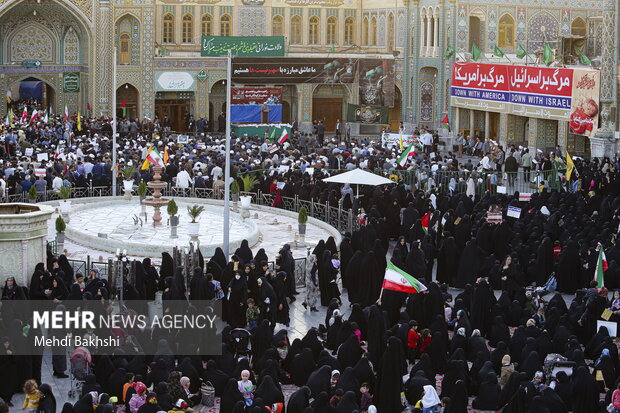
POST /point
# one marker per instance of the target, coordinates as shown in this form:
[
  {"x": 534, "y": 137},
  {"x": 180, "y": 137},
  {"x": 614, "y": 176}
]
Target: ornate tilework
[
  {"x": 462, "y": 29},
  {"x": 251, "y": 21},
  {"x": 381, "y": 27},
  {"x": 521, "y": 26},
  {"x": 148, "y": 96},
  {"x": 71, "y": 53},
  {"x": 492, "y": 29},
  {"x": 32, "y": 42},
  {"x": 427, "y": 98},
  {"x": 542, "y": 27},
  {"x": 402, "y": 30},
  {"x": 565, "y": 28}
]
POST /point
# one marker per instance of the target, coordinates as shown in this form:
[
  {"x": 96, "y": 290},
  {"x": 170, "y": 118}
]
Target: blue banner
[{"x": 252, "y": 113}]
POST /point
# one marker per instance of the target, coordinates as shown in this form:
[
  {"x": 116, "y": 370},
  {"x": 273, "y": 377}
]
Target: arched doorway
[
  {"x": 217, "y": 104},
  {"x": 35, "y": 88},
  {"x": 328, "y": 102},
  {"x": 394, "y": 112},
  {"x": 289, "y": 103},
  {"x": 127, "y": 102},
  {"x": 46, "y": 35}
]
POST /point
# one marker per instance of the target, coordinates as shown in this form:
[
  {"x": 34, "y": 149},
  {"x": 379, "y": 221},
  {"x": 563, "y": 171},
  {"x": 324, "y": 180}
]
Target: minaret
[{"x": 603, "y": 143}]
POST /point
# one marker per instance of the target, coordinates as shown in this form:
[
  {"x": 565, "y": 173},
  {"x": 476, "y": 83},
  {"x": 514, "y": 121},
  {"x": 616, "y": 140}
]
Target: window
[
  {"x": 188, "y": 29},
  {"x": 332, "y": 32},
  {"x": 373, "y": 31},
  {"x": 506, "y": 34},
  {"x": 168, "y": 32},
  {"x": 349, "y": 31},
  {"x": 296, "y": 30},
  {"x": 206, "y": 25},
  {"x": 390, "y": 33},
  {"x": 125, "y": 55},
  {"x": 225, "y": 25},
  {"x": 313, "y": 31},
  {"x": 365, "y": 33},
  {"x": 578, "y": 28},
  {"x": 277, "y": 26}
]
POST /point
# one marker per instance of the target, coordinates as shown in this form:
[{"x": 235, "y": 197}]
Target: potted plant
[
  {"x": 173, "y": 210},
  {"x": 193, "y": 228},
  {"x": 142, "y": 191},
  {"x": 64, "y": 194},
  {"x": 234, "y": 190},
  {"x": 60, "y": 230},
  {"x": 127, "y": 173},
  {"x": 32, "y": 194},
  {"x": 302, "y": 219}
]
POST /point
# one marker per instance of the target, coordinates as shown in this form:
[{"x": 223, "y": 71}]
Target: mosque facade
[{"x": 68, "y": 47}]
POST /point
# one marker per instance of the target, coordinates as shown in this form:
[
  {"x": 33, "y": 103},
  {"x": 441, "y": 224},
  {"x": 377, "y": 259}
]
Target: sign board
[
  {"x": 39, "y": 172},
  {"x": 612, "y": 327},
  {"x": 256, "y": 95},
  {"x": 71, "y": 82},
  {"x": 501, "y": 189},
  {"x": 202, "y": 75},
  {"x": 494, "y": 217},
  {"x": 175, "y": 81},
  {"x": 540, "y": 92},
  {"x": 42, "y": 157},
  {"x": 248, "y": 46},
  {"x": 514, "y": 212},
  {"x": 525, "y": 196},
  {"x": 31, "y": 63},
  {"x": 393, "y": 139}
]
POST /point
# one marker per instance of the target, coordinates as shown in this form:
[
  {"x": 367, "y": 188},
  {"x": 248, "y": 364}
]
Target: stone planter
[
  {"x": 246, "y": 201},
  {"x": 302, "y": 234},
  {"x": 64, "y": 207},
  {"x": 193, "y": 229},
  {"x": 174, "y": 220},
  {"x": 60, "y": 237},
  {"x": 235, "y": 199},
  {"x": 128, "y": 187}
]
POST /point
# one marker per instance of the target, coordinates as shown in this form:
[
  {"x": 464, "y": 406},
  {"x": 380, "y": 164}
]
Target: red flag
[
  {"x": 445, "y": 119},
  {"x": 88, "y": 106},
  {"x": 424, "y": 221},
  {"x": 24, "y": 115},
  {"x": 66, "y": 115},
  {"x": 34, "y": 116},
  {"x": 124, "y": 103}
]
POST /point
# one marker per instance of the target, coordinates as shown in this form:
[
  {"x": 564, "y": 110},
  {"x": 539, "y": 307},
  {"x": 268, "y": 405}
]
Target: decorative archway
[
  {"x": 127, "y": 38},
  {"x": 48, "y": 89},
  {"x": 127, "y": 101},
  {"x": 428, "y": 85},
  {"x": 328, "y": 102}
]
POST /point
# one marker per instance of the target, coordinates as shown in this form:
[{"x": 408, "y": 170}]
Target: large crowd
[{"x": 526, "y": 302}]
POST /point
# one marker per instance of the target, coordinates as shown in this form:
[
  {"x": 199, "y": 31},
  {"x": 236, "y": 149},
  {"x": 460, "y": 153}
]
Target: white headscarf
[{"x": 430, "y": 397}]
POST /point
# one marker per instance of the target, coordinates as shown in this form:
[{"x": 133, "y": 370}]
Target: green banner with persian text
[
  {"x": 247, "y": 46},
  {"x": 71, "y": 82}
]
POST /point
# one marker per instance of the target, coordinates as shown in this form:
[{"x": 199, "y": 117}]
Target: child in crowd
[
  {"x": 413, "y": 337},
  {"x": 366, "y": 397},
  {"x": 425, "y": 340},
  {"x": 246, "y": 387},
  {"x": 334, "y": 380},
  {"x": 251, "y": 314},
  {"x": 333, "y": 402},
  {"x": 33, "y": 396},
  {"x": 129, "y": 380}
]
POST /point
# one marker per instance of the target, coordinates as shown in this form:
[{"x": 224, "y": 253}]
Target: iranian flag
[
  {"x": 398, "y": 280},
  {"x": 34, "y": 116},
  {"x": 154, "y": 157},
  {"x": 283, "y": 137},
  {"x": 402, "y": 159},
  {"x": 24, "y": 117},
  {"x": 66, "y": 115},
  {"x": 425, "y": 219},
  {"x": 46, "y": 118},
  {"x": 601, "y": 267}
]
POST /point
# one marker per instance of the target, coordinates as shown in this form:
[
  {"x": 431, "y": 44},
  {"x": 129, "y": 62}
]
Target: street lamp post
[
  {"x": 114, "y": 162},
  {"x": 227, "y": 165}
]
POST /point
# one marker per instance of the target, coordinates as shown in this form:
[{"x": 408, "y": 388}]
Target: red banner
[
  {"x": 541, "y": 92},
  {"x": 256, "y": 95}
]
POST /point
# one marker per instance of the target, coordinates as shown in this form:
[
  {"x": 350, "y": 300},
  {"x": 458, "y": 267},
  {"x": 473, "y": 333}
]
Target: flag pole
[
  {"x": 227, "y": 164},
  {"x": 380, "y": 296},
  {"x": 114, "y": 164}
]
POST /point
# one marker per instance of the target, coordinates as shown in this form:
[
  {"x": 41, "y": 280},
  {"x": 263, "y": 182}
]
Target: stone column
[
  {"x": 562, "y": 135},
  {"x": 487, "y": 125},
  {"x": 603, "y": 142},
  {"x": 101, "y": 67},
  {"x": 532, "y": 136},
  {"x": 472, "y": 121},
  {"x": 304, "y": 93},
  {"x": 457, "y": 120},
  {"x": 436, "y": 34},
  {"x": 429, "y": 33},
  {"x": 503, "y": 129}
]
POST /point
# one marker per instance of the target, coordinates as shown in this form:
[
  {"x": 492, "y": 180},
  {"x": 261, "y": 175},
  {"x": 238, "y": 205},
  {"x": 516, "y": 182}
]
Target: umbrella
[{"x": 359, "y": 177}]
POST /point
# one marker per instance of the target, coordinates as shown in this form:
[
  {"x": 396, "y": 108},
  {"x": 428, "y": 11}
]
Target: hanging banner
[
  {"x": 71, "y": 82},
  {"x": 294, "y": 70},
  {"x": 252, "y": 46},
  {"x": 376, "y": 80},
  {"x": 538, "y": 92},
  {"x": 389, "y": 140},
  {"x": 256, "y": 95},
  {"x": 367, "y": 114}
]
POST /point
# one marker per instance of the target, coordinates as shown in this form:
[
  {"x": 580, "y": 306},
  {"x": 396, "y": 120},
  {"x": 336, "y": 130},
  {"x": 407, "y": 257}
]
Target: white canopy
[{"x": 359, "y": 177}]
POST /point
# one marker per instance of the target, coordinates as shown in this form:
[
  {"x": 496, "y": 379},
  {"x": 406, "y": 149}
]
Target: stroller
[
  {"x": 240, "y": 344},
  {"x": 80, "y": 361}
]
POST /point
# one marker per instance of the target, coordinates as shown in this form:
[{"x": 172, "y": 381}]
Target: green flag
[
  {"x": 273, "y": 134},
  {"x": 547, "y": 55},
  {"x": 583, "y": 59},
  {"x": 498, "y": 52},
  {"x": 449, "y": 52},
  {"x": 475, "y": 52},
  {"x": 333, "y": 49},
  {"x": 521, "y": 53}
]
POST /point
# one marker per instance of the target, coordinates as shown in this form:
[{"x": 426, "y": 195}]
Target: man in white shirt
[
  {"x": 485, "y": 162},
  {"x": 427, "y": 139},
  {"x": 183, "y": 179},
  {"x": 56, "y": 183},
  {"x": 216, "y": 172}
]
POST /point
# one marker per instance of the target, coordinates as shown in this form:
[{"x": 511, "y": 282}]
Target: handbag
[{"x": 208, "y": 394}]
